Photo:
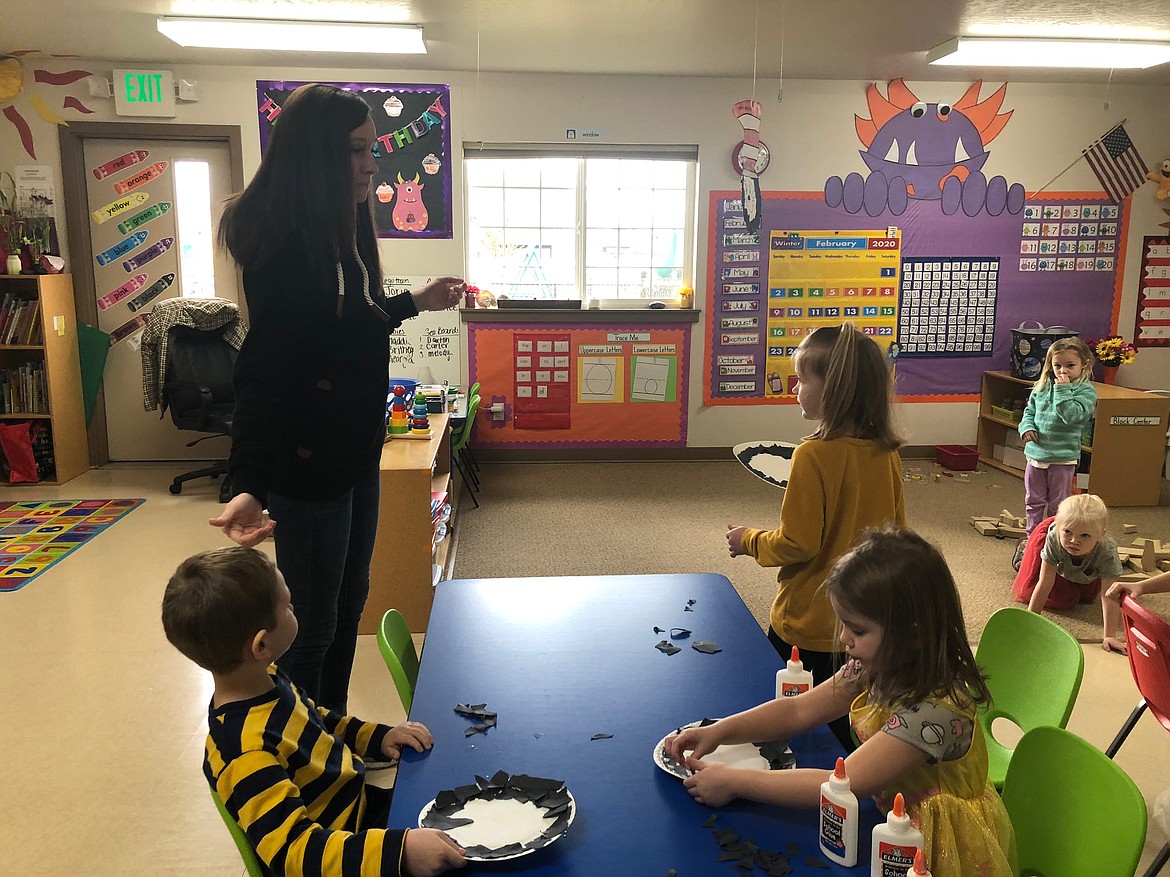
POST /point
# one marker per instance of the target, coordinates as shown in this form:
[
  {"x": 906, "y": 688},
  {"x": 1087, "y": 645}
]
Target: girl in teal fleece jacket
[{"x": 1061, "y": 403}]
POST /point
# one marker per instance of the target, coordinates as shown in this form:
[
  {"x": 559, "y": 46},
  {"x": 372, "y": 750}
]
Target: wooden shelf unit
[
  {"x": 402, "y": 569},
  {"x": 59, "y": 353},
  {"x": 1129, "y": 438}
]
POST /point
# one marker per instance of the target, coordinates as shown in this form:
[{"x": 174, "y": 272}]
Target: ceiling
[{"x": 801, "y": 39}]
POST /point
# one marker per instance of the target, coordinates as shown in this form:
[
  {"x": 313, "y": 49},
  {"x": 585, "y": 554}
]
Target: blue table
[{"x": 561, "y": 659}]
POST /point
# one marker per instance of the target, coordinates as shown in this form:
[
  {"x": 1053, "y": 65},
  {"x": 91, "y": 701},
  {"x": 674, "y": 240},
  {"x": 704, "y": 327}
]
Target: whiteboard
[{"x": 425, "y": 347}]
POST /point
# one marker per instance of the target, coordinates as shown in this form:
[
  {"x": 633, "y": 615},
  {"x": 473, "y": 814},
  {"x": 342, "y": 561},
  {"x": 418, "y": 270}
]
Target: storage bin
[
  {"x": 1007, "y": 413},
  {"x": 1030, "y": 346},
  {"x": 958, "y": 457}
]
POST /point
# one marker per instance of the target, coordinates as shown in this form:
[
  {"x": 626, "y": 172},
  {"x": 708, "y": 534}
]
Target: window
[
  {"x": 548, "y": 225},
  {"x": 193, "y": 223}
]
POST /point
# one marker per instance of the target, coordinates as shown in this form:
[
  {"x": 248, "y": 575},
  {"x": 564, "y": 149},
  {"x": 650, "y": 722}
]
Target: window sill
[{"x": 587, "y": 315}]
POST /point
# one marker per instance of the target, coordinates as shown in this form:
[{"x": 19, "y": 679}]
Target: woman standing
[{"x": 311, "y": 378}]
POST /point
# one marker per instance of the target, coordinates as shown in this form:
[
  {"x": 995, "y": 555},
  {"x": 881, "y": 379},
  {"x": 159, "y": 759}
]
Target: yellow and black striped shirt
[{"x": 288, "y": 771}]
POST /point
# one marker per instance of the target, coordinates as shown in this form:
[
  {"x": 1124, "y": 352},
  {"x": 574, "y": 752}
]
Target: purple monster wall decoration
[{"x": 927, "y": 152}]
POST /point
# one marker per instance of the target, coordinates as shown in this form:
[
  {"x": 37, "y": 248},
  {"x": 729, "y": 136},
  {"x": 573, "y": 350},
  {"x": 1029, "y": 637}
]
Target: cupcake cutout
[
  {"x": 430, "y": 164},
  {"x": 384, "y": 192},
  {"x": 392, "y": 106}
]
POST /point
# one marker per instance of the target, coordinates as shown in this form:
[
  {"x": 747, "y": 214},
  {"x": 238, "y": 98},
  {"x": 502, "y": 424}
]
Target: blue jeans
[{"x": 323, "y": 549}]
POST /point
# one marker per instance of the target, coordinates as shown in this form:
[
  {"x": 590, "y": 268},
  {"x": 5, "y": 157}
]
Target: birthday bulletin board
[
  {"x": 946, "y": 289},
  {"x": 580, "y": 385},
  {"x": 412, "y": 194}
]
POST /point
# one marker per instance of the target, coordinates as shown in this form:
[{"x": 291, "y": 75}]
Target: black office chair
[{"x": 198, "y": 391}]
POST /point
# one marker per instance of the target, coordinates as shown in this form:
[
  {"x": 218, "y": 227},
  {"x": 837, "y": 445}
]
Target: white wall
[{"x": 810, "y": 132}]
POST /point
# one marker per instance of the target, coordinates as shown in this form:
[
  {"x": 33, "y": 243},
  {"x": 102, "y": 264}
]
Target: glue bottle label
[
  {"x": 833, "y": 826},
  {"x": 894, "y": 859},
  {"x": 791, "y": 689}
]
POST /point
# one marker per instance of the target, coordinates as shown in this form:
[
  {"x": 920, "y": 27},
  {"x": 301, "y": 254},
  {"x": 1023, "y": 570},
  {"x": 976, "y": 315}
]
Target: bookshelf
[
  {"x": 42, "y": 361},
  {"x": 407, "y": 560},
  {"x": 1127, "y": 445}
]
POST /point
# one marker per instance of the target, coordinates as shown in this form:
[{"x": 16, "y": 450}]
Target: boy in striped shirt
[{"x": 289, "y": 772}]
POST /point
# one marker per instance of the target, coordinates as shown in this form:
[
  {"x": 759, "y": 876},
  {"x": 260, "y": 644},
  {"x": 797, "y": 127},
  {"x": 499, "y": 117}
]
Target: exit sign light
[{"x": 144, "y": 93}]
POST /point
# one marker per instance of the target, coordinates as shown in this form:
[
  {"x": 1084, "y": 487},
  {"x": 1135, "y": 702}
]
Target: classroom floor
[{"x": 106, "y": 721}]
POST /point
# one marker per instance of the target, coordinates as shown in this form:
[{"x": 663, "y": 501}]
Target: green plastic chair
[
  {"x": 1075, "y": 812},
  {"x": 468, "y": 452},
  {"x": 459, "y": 440},
  {"x": 397, "y": 648},
  {"x": 1034, "y": 669},
  {"x": 252, "y": 862}
]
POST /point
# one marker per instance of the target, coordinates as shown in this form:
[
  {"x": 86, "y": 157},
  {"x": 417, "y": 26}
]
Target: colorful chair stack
[{"x": 399, "y": 419}]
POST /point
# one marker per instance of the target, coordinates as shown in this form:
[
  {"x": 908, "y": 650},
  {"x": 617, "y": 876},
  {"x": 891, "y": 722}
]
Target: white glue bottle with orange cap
[
  {"x": 894, "y": 843},
  {"x": 793, "y": 679},
  {"x": 838, "y": 818},
  {"x": 918, "y": 869}
]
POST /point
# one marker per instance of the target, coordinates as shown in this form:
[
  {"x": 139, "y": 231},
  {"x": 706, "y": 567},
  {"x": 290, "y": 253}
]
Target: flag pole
[{"x": 1078, "y": 158}]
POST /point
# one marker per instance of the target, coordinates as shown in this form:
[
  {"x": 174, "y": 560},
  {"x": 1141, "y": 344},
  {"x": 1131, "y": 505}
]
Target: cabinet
[
  {"x": 407, "y": 562},
  {"x": 52, "y": 357},
  {"x": 1128, "y": 446}
]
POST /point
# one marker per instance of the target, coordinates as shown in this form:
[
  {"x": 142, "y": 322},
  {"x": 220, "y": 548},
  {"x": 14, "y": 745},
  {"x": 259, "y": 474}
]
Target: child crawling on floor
[{"x": 1069, "y": 560}]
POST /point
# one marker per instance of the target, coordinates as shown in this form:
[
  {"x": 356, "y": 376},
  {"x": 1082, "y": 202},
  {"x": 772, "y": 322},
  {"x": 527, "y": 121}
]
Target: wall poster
[
  {"x": 1152, "y": 326},
  {"x": 580, "y": 385},
  {"x": 412, "y": 194}
]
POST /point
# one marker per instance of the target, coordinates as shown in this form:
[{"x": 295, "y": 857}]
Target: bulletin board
[
  {"x": 580, "y": 385},
  {"x": 962, "y": 283},
  {"x": 1152, "y": 326},
  {"x": 425, "y": 347},
  {"x": 412, "y": 194}
]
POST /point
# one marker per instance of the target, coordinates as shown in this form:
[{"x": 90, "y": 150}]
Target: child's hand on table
[
  {"x": 712, "y": 784},
  {"x": 412, "y": 734},
  {"x": 427, "y": 852}
]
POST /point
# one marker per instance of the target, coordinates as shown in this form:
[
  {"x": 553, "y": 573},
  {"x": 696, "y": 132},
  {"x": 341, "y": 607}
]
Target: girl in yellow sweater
[{"x": 845, "y": 477}]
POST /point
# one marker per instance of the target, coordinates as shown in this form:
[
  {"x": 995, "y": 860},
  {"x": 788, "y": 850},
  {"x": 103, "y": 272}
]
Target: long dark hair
[
  {"x": 857, "y": 399},
  {"x": 900, "y": 581},
  {"x": 302, "y": 194}
]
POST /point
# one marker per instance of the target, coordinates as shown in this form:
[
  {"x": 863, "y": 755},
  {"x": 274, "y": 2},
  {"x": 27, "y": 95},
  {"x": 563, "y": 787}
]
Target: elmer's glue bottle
[
  {"x": 894, "y": 843},
  {"x": 793, "y": 679},
  {"x": 838, "y": 823},
  {"x": 919, "y": 867}
]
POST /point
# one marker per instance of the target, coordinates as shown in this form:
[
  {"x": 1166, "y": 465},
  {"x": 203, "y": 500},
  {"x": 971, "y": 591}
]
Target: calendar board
[{"x": 948, "y": 307}]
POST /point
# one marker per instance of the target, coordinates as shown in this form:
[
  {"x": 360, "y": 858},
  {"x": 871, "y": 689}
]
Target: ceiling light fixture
[
  {"x": 294, "y": 36},
  {"x": 1049, "y": 52}
]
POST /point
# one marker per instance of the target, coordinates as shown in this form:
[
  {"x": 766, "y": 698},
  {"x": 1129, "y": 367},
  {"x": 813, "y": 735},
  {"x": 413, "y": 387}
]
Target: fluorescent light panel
[
  {"x": 294, "y": 36},
  {"x": 1048, "y": 52}
]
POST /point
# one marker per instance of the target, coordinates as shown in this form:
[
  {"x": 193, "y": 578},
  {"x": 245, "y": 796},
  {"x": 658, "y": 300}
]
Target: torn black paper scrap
[{"x": 707, "y": 646}]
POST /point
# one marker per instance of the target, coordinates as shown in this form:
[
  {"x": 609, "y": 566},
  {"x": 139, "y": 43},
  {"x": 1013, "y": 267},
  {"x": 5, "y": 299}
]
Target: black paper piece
[
  {"x": 707, "y": 646},
  {"x": 679, "y": 633},
  {"x": 666, "y": 648},
  {"x": 446, "y": 823},
  {"x": 601, "y": 737},
  {"x": 658, "y": 629}
]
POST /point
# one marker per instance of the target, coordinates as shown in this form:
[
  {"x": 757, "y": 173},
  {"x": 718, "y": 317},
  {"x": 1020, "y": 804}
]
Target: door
[{"x": 152, "y": 207}]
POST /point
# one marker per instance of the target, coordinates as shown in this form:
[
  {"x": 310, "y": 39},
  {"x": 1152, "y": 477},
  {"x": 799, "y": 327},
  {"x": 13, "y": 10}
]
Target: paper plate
[
  {"x": 750, "y": 756},
  {"x": 771, "y": 461},
  {"x": 505, "y": 817}
]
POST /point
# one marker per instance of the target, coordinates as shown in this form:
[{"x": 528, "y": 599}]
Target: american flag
[{"x": 1115, "y": 161}]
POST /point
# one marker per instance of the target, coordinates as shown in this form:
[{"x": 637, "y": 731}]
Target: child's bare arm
[
  {"x": 1043, "y": 587},
  {"x": 1158, "y": 584},
  {"x": 1113, "y": 637}
]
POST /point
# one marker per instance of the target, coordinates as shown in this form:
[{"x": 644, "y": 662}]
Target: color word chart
[
  {"x": 826, "y": 278},
  {"x": 948, "y": 307}
]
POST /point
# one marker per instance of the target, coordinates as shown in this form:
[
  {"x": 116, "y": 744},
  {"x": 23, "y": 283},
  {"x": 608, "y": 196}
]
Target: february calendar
[{"x": 825, "y": 278}]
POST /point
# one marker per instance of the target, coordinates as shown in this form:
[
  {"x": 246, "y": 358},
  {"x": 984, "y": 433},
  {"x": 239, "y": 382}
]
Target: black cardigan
[{"x": 310, "y": 386}]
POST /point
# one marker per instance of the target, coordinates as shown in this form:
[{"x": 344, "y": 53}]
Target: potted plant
[{"x": 1112, "y": 352}]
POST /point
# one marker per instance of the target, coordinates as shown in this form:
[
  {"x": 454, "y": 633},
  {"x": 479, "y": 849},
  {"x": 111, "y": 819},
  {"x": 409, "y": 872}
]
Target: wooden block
[
  {"x": 1133, "y": 577},
  {"x": 1018, "y": 532},
  {"x": 1163, "y": 565},
  {"x": 1143, "y": 541},
  {"x": 1129, "y": 528},
  {"x": 1122, "y": 551},
  {"x": 987, "y": 528},
  {"x": 1006, "y": 516},
  {"x": 1150, "y": 557},
  {"x": 1133, "y": 563}
]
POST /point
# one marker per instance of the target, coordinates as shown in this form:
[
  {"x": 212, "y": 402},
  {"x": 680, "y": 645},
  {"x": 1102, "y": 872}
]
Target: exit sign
[{"x": 144, "y": 93}]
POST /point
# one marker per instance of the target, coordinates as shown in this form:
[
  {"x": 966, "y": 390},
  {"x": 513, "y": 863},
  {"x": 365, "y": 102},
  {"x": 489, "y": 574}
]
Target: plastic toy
[
  {"x": 1161, "y": 176},
  {"x": 399, "y": 419},
  {"x": 420, "y": 422}
]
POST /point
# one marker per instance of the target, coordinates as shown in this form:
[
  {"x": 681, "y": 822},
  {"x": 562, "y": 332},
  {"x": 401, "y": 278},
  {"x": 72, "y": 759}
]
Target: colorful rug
[{"x": 34, "y": 534}]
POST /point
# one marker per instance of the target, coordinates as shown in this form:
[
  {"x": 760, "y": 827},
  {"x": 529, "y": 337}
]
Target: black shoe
[{"x": 1018, "y": 558}]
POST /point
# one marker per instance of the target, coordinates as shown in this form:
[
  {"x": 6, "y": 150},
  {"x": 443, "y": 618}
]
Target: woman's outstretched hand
[
  {"x": 243, "y": 522},
  {"x": 440, "y": 294}
]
